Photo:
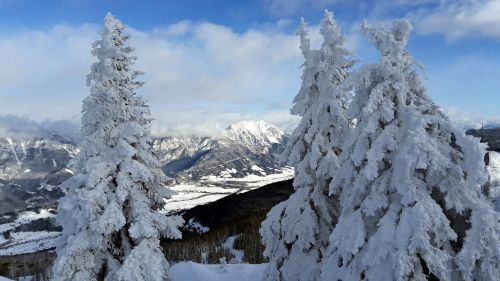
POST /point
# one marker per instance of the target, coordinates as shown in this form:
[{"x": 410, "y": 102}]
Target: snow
[
  {"x": 213, "y": 188},
  {"x": 256, "y": 168},
  {"x": 408, "y": 178},
  {"x": 252, "y": 131},
  {"x": 189, "y": 195},
  {"x": 29, "y": 242},
  {"x": 26, "y": 217},
  {"x": 195, "y": 226},
  {"x": 494, "y": 171},
  {"x": 253, "y": 180},
  {"x": 9, "y": 140},
  {"x": 191, "y": 271},
  {"x": 295, "y": 232},
  {"x": 228, "y": 173},
  {"x": 229, "y": 244},
  {"x": 118, "y": 183},
  {"x": 28, "y": 278},
  {"x": 494, "y": 167}
]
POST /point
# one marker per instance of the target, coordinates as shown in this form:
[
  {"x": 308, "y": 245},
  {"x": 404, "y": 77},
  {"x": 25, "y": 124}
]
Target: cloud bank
[
  {"x": 458, "y": 19},
  {"x": 199, "y": 76}
]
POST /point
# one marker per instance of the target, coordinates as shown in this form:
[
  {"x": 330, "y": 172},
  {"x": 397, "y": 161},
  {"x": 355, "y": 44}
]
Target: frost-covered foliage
[
  {"x": 295, "y": 232},
  {"x": 109, "y": 215},
  {"x": 410, "y": 184}
]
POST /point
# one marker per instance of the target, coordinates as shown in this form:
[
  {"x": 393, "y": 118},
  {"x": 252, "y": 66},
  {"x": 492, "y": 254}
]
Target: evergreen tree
[
  {"x": 410, "y": 184},
  {"x": 109, "y": 215},
  {"x": 295, "y": 232}
]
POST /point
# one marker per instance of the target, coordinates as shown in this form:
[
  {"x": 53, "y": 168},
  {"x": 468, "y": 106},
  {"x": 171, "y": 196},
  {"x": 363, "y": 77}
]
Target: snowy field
[
  {"x": 26, "y": 241},
  {"x": 213, "y": 188},
  {"x": 188, "y": 196},
  {"x": 190, "y": 271}
]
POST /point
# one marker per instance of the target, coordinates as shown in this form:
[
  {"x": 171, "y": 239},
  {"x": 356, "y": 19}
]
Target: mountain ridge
[{"x": 32, "y": 167}]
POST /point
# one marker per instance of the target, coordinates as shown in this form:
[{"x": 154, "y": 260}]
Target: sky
[{"x": 210, "y": 63}]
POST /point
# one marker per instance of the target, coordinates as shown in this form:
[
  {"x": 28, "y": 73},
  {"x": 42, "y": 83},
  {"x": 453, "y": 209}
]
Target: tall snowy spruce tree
[
  {"x": 295, "y": 232},
  {"x": 410, "y": 184},
  {"x": 111, "y": 226}
]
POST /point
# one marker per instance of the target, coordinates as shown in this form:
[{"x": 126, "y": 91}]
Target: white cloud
[
  {"x": 198, "y": 75},
  {"x": 460, "y": 19},
  {"x": 23, "y": 126},
  {"x": 283, "y": 8},
  {"x": 471, "y": 120}
]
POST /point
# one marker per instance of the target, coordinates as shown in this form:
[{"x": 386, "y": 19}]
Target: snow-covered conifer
[
  {"x": 295, "y": 232},
  {"x": 111, "y": 226},
  {"x": 410, "y": 183}
]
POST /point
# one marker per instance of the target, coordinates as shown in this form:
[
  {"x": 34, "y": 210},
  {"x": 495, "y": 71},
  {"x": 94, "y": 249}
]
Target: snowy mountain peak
[{"x": 254, "y": 132}]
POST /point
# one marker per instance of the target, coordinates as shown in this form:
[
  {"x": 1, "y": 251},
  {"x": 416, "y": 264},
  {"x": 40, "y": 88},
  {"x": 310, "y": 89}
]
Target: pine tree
[
  {"x": 109, "y": 215},
  {"x": 410, "y": 184},
  {"x": 296, "y": 231}
]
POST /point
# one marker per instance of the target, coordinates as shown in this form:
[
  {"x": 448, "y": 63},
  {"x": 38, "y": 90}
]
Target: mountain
[
  {"x": 244, "y": 149},
  {"x": 31, "y": 170},
  {"x": 33, "y": 164}
]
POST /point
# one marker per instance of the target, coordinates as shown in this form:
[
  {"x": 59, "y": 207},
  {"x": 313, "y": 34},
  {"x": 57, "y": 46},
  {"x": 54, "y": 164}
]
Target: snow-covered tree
[
  {"x": 111, "y": 224},
  {"x": 410, "y": 183},
  {"x": 295, "y": 232}
]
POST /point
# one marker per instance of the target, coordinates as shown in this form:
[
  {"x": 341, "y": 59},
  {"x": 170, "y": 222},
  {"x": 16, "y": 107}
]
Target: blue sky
[{"x": 210, "y": 63}]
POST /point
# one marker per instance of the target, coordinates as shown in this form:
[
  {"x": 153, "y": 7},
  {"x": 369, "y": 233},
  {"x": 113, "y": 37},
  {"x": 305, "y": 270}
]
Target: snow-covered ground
[
  {"x": 191, "y": 271},
  {"x": 229, "y": 244},
  {"x": 24, "y": 217},
  {"x": 213, "y": 188},
  {"x": 252, "y": 181},
  {"x": 29, "y": 242},
  {"x": 188, "y": 196},
  {"x": 18, "y": 279},
  {"x": 25, "y": 241}
]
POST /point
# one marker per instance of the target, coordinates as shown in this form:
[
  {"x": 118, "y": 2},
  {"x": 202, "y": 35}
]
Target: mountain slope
[
  {"x": 245, "y": 148},
  {"x": 31, "y": 170},
  {"x": 33, "y": 164}
]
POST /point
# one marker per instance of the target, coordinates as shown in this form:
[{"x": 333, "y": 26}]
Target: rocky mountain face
[
  {"x": 246, "y": 148},
  {"x": 31, "y": 170},
  {"x": 33, "y": 167}
]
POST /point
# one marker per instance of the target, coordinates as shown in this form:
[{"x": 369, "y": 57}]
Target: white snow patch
[
  {"x": 494, "y": 167},
  {"x": 256, "y": 180},
  {"x": 257, "y": 168},
  {"x": 69, "y": 171},
  {"x": 209, "y": 190},
  {"x": 196, "y": 226},
  {"x": 228, "y": 173},
  {"x": 9, "y": 140},
  {"x": 190, "y": 271},
  {"x": 25, "y": 217},
  {"x": 229, "y": 244},
  {"x": 29, "y": 242},
  {"x": 494, "y": 171}
]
